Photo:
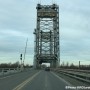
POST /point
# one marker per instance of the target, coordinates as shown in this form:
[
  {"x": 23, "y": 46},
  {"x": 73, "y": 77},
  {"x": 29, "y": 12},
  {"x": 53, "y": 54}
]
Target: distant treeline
[
  {"x": 72, "y": 66},
  {"x": 13, "y": 65}
]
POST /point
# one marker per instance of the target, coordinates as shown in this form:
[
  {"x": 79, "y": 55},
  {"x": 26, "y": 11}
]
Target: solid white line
[
  {"x": 7, "y": 76},
  {"x": 20, "y": 86},
  {"x": 61, "y": 79},
  {"x": 46, "y": 80}
]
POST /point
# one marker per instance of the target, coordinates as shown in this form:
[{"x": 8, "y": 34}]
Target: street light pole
[{"x": 25, "y": 51}]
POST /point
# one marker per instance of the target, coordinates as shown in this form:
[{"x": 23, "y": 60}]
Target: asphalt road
[{"x": 33, "y": 80}]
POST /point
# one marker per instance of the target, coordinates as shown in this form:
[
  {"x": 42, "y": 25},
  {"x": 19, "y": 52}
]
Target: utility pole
[
  {"x": 21, "y": 58},
  {"x": 79, "y": 64},
  {"x": 21, "y": 62},
  {"x": 25, "y": 51}
]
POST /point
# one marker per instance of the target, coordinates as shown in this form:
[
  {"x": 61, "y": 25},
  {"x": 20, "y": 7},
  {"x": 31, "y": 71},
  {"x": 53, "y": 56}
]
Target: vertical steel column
[{"x": 47, "y": 35}]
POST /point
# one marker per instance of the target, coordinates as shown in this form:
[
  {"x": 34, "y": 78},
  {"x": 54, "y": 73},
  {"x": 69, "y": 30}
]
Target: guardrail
[
  {"x": 77, "y": 70},
  {"x": 82, "y": 75},
  {"x": 6, "y": 71}
]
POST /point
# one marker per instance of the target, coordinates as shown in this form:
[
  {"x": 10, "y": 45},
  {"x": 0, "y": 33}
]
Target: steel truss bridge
[{"x": 46, "y": 49}]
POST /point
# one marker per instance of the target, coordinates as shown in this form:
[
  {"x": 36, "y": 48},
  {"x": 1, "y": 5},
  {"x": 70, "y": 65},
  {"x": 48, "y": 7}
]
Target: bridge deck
[{"x": 32, "y": 80}]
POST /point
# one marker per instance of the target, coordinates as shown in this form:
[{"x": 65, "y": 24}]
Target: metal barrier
[
  {"x": 83, "y": 75},
  {"x": 6, "y": 71}
]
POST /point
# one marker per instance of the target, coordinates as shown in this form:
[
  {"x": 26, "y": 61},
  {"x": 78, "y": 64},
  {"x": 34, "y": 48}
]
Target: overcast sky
[{"x": 18, "y": 20}]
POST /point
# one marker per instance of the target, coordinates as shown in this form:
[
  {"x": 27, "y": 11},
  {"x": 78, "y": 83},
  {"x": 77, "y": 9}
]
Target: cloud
[
  {"x": 18, "y": 20},
  {"x": 74, "y": 30}
]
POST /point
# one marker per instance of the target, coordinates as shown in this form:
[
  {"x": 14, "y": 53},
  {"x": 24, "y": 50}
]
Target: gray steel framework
[{"x": 47, "y": 36}]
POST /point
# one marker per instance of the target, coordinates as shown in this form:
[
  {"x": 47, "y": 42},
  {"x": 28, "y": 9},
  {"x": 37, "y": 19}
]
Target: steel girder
[{"x": 47, "y": 36}]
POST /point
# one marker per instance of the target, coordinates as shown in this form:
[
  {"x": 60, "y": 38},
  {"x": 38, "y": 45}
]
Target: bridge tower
[{"x": 46, "y": 49}]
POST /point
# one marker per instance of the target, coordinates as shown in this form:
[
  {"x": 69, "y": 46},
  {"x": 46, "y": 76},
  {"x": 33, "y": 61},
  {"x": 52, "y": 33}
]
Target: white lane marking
[
  {"x": 45, "y": 88},
  {"x": 7, "y": 76},
  {"x": 20, "y": 86},
  {"x": 46, "y": 80},
  {"x": 61, "y": 79}
]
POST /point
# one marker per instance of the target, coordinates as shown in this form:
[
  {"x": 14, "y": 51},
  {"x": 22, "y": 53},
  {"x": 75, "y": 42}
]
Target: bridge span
[{"x": 47, "y": 36}]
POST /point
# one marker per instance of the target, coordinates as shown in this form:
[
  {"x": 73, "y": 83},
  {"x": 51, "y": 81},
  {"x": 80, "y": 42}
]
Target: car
[{"x": 47, "y": 69}]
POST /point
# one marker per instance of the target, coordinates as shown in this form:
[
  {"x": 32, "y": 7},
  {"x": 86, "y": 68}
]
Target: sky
[{"x": 18, "y": 21}]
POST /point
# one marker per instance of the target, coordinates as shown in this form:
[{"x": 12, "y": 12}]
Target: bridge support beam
[{"x": 46, "y": 43}]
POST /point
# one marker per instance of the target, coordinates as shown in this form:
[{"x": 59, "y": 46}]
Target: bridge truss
[{"x": 46, "y": 42}]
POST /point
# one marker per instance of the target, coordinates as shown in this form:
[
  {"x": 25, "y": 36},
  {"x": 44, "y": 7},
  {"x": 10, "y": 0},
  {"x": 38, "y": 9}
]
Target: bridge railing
[
  {"x": 5, "y": 71},
  {"x": 82, "y": 75}
]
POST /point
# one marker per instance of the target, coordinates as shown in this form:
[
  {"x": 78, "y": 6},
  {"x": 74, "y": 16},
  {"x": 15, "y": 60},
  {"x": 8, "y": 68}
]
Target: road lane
[
  {"x": 33, "y": 80},
  {"x": 11, "y": 82},
  {"x": 46, "y": 81},
  {"x": 20, "y": 86}
]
